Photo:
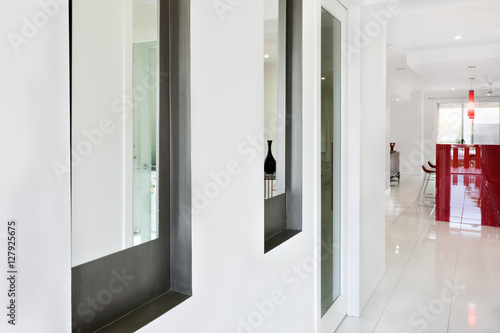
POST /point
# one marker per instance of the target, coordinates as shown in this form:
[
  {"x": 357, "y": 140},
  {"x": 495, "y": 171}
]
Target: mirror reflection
[
  {"x": 274, "y": 97},
  {"x": 114, "y": 126}
]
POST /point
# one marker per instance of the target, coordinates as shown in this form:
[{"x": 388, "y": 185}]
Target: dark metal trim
[
  {"x": 279, "y": 239},
  {"x": 274, "y": 215},
  {"x": 180, "y": 176},
  {"x": 139, "y": 318},
  {"x": 294, "y": 116},
  {"x": 141, "y": 283}
]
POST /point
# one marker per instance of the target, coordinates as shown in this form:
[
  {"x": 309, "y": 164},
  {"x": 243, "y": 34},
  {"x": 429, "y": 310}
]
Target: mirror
[
  {"x": 114, "y": 122},
  {"x": 274, "y": 97}
]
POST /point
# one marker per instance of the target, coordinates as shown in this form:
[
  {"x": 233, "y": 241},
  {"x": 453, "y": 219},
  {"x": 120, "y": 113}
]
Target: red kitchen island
[{"x": 468, "y": 184}]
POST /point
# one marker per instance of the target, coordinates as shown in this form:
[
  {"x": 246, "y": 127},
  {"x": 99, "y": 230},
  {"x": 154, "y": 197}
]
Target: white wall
[
  {"x": 413, "y": 127},
  {"x": 387, "y": 142},
  {"x": 407, "y": 131},
  {"x": 429, "y": 123},
  {"x": 232, "y": 277},
  {"x": 373, "y": 160},
  {"x": 231, "y": 273},
  {"x": 271, "y": 101},
  {"x": 34, "y": 132},
  {"x": 145, "y": 18}
]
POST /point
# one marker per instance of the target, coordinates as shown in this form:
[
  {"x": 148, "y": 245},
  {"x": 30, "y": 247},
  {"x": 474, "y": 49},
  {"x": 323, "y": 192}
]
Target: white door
[{"x": 333, "y": 189}]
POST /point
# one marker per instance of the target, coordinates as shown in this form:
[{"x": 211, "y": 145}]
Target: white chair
[{"x": 428, "y": 173}]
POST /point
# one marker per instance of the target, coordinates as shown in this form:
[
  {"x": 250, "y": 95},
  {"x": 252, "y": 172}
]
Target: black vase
[{"x": 270, "y": 162}]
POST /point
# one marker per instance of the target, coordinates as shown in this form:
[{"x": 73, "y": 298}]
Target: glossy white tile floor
[{"x": 441, "y": 277}]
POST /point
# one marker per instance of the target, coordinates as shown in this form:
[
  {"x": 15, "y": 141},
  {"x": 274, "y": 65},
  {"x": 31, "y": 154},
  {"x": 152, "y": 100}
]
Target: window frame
[
  {"x": 147, "y": 280},
  {"x": 283, "y": 213},
  {"x": 462, "y": 120}
]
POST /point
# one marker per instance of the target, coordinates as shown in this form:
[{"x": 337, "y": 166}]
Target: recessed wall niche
[
  {"x": 283, "y": 120},
  {"x": 124, "y": 290}
]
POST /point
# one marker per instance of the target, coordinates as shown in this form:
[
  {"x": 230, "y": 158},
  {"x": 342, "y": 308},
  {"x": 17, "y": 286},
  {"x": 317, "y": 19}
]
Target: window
[
  {"x": 283, "y": 114},
  {"x": 126, "y": 289},
  {"x": 450, "y": 123},
  {"x": 486, "y": 127},
  {"x": 454, "y": 126}
]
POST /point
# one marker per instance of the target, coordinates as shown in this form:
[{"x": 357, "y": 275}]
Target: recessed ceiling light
[
  {"x": 397, "y": 99},
  {"x": 266, "y": 56},
  {"x": 401, "y": 69},
  {"x": 458, "y": 37},
  {"x": 452, "y": 88}
]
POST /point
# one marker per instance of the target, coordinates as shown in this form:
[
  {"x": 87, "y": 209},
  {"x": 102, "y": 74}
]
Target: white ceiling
[{"x": 421, "y": 40}]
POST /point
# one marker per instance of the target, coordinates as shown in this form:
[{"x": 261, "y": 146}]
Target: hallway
[{"x": 441, "y": 277}]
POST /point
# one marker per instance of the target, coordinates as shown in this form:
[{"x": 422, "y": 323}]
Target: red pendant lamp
[{"x": 471, "y": 103}]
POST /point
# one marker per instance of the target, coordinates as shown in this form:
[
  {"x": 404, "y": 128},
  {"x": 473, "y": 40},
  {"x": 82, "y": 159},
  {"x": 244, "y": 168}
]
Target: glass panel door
[
  {"x": 330, "y": 160},
  {"x": 333, "y": 245}
]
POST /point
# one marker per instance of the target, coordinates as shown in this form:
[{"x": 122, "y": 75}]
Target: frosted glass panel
[
  {"x": 485, "y": 128},
  {"x": 145, "y": 134},
  {"x": 450, "y": 123}
]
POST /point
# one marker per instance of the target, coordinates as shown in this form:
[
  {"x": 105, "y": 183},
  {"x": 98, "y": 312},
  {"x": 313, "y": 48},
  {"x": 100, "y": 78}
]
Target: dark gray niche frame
[
  {"x": 283, "y": 213},
  {"x": 139, "y": 284}
]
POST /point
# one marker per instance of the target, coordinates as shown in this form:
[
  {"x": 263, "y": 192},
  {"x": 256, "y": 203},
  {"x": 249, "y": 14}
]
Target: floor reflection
[
  {"x": 450, "y": 270},
  {"x": 466, "y": 184}
]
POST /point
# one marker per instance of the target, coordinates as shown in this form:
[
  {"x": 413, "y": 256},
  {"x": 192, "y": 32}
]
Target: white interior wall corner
[{"x": 373, "y": 152}]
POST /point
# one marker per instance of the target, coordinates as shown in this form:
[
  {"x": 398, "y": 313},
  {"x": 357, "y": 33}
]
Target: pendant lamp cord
[{"x": 471, "y": 77}]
